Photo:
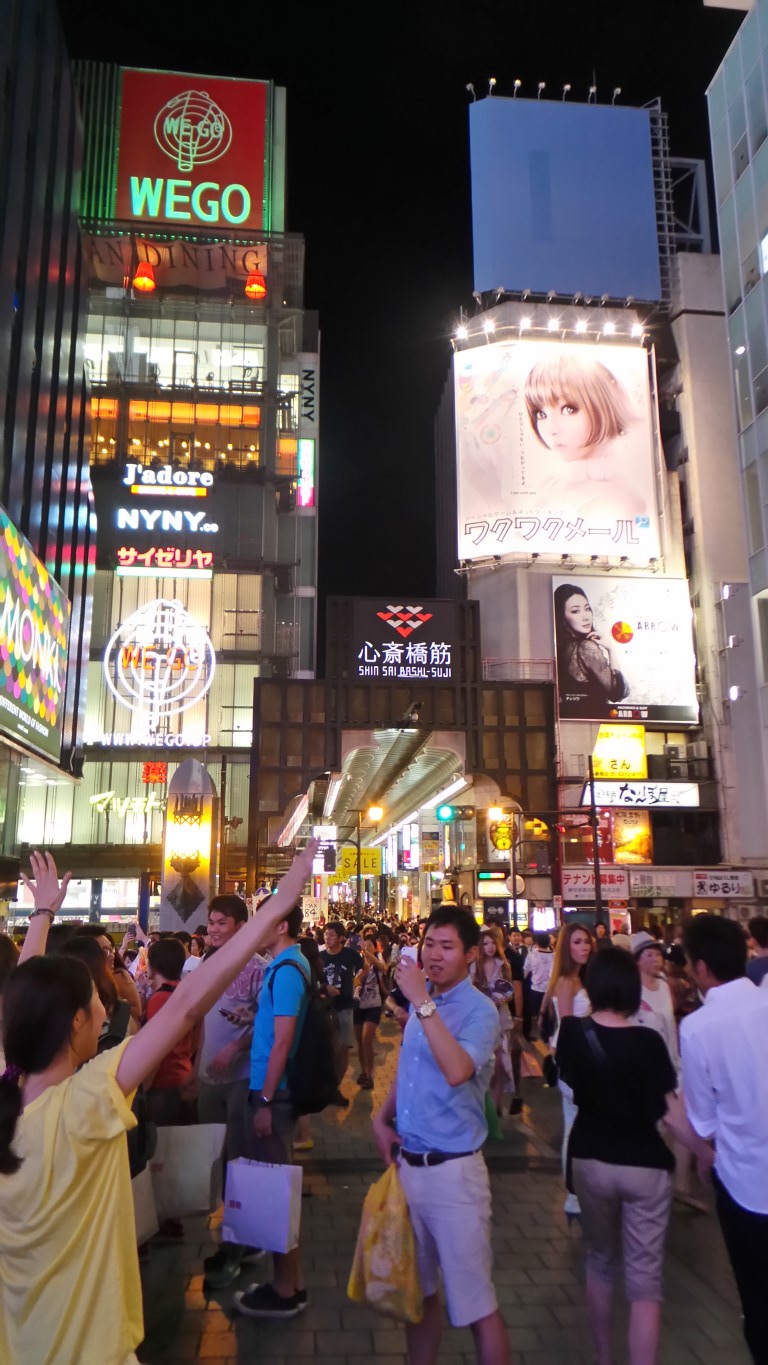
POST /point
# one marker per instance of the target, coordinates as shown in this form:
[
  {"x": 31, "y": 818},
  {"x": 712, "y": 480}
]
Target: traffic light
[
  {"x": 447, "y": 814},
  {"x": 329, "y": 859}
]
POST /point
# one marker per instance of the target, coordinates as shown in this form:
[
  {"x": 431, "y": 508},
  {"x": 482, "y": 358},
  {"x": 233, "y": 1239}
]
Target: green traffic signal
[{"x": 446, "y": 814}]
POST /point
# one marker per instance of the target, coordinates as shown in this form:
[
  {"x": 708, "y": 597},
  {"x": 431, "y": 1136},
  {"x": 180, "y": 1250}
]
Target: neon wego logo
[
  {"x": 192, "y": 130},
  {"x": 160, "y": 661}
]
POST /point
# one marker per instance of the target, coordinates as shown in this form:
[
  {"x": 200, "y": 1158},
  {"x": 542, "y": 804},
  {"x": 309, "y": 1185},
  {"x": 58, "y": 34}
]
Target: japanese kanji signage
[
  {"x": 620, "y": 752},
  {"x": 579, "y": 883},
  {"x": 400, "y": 641},
  {"x": 624, "y": 649},
  {"x": 556, "y": 451},
  {"x": 168, "y": 559},
  {"x": 632, "y": 837},
  {"x": 663, "y": 795},
  {"x": 726, "y": 884}
]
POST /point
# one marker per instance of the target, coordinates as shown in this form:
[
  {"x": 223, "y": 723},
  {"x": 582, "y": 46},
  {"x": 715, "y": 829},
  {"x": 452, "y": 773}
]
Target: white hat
[{"x": 644, "y": 940}]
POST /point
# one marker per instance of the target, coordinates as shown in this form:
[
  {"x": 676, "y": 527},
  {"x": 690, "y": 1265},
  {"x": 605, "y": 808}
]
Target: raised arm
[
  {"x": 48, "y": 894},
  {"x": 200, "y": 989}
]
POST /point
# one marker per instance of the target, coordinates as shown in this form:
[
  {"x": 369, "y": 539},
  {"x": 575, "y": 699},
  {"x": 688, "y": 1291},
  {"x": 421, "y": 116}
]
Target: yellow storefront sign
[
  {"x": 620, "y": 752},
  {"x": 346, "y": 864}
]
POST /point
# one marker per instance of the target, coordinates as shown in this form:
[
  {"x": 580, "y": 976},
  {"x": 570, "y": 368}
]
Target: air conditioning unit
[
  {"x": 699, "y": 749},
  {"x": 675, "y": 768},
  {"x": 675, "y": 752}
]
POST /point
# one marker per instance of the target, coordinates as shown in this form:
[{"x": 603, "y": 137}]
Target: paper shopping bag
[
  {"x": 262, "y": 1205},
  {"x": 186, "y": 1169},
  {"x": 144, "y": 1207},
  {"x": 385, "y": 1272}
]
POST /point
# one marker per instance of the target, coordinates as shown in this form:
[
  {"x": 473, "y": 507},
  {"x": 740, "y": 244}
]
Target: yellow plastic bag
[{"x": 384, "y": 1271}]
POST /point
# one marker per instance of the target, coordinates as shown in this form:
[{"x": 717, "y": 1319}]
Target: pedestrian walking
[{"x": 567, "y": 996}]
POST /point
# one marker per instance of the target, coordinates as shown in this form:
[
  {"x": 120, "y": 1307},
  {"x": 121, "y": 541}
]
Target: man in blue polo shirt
[
  {"x": 276, "y": 1032},
  {"x": 433, "y": 1123}
]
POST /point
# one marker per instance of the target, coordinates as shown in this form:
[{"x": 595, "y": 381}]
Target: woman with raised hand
[{"x": 65, "y": 1193}]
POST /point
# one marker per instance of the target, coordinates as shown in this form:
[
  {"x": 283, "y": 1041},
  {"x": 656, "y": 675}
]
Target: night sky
[{"x": 378, "y": 183}]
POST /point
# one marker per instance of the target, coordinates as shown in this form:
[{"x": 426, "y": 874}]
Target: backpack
[{"x": 311, "y": 1072}]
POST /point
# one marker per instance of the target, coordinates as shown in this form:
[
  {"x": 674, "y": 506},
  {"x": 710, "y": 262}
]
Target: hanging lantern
[
  {"x": 144, "y": 280},
  {"x": 256, "y": 286}
]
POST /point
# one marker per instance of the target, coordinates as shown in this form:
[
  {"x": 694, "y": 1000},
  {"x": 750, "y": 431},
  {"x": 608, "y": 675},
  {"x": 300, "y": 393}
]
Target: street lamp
[
  {"x": 496, "y": 814},
  {"x": 374, "y": 814}
]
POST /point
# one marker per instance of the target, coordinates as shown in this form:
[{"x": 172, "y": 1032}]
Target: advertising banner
[
  {"x": 632, "y": 838},
  {"x": 555, "y": 451},
  {"x": 620, "y": 752},
  {"x": 403, "y": 641},
  {"x": 727, "y": 884},
  {"x": 579, "y": 883},
  {"x": 624, "y": 649},
  {"x": 34, "y": 632},
  {"x": 661, "y": 795},
  {"x": 177, "y": 264},
  {"x": 192, "y": 150}
]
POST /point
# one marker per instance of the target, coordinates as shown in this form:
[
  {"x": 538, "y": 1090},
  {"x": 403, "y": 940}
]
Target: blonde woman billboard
[{"x": 555, "y": 451}]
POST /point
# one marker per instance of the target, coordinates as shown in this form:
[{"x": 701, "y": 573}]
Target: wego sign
[
  {"x": 162, "y": 119},
  {"x": 159, "y": 662}
]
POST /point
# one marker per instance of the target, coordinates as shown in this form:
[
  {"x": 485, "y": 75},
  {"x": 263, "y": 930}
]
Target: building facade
[
  {"x": 46, "y": 501},
  {"x": 203, "y": 373},
  {"x": 587, "y": 467}
]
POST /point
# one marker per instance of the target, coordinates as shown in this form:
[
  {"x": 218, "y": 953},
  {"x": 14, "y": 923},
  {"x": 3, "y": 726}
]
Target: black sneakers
[
  {"x": 262, "y": 1301},
  {"x": 223, "y": 1268}
]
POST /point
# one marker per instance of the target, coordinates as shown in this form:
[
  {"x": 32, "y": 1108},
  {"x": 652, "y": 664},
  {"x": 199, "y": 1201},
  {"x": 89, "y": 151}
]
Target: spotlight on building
[
  {"x": 637, "y": 329},
  {"x": 525, "y": 324},
  {"x": 470, "y": 87},
  {"x": 553, "y": 325},
  {"x": 581, "y": 326},
  {"x": 491, "y": 84},
  {"x": 517, "y": 85},
  {"x": 592, "y": 96},
  {"x": 541, "y": 86},
  {"x": 566, "y": 91},
  {"x": 609, "y": 329},
  {"x": 616, "y": 93},
  {"x": 489, "y": 325}
]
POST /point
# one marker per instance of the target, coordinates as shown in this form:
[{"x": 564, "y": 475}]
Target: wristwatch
[
  {"x": 254, "y": 1099},
  {"x": 42, "y": 911},
  {"x": 426, "y": 1010}
]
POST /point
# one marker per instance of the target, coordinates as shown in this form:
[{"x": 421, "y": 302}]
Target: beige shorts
[
  {"x": 450, "y": 1208},
  {"x": 625, "y": 1208}
]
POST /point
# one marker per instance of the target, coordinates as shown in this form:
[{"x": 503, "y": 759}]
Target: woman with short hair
[{"x": 623, "y": 1083}]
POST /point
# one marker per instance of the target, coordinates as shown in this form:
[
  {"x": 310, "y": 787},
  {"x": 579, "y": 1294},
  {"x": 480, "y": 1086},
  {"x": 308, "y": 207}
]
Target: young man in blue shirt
[
  {"x": 276, "y": 1033},
  {"x": 433, "y": 1123}
]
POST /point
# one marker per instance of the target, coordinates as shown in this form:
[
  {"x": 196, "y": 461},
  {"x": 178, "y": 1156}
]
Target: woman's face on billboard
[
  {"x": 577, "y": 615},
  {"x": 564, "y": 427}
]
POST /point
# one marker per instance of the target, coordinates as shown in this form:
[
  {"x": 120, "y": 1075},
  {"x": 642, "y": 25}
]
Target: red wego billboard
[{"x": 192, "y": 150}]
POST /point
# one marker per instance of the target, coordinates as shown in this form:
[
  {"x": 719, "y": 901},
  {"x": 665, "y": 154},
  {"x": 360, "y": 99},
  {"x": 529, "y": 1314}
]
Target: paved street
[{"x": 538, "y": 1263}]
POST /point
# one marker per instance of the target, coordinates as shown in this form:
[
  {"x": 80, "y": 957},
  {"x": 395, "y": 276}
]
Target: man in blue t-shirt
[{"x": 276, "y": 1032}]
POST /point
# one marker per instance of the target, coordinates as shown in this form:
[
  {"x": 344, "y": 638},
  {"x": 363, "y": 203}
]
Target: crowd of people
[{"x": 657, "y": 1043}]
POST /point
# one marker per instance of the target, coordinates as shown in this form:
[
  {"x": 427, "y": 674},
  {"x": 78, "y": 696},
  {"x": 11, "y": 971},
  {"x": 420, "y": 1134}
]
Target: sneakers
[
  {"x": 223, "y": 1268},
  {"x": 262, "y": 1301},
  {"x": 305, "y": 1146}
]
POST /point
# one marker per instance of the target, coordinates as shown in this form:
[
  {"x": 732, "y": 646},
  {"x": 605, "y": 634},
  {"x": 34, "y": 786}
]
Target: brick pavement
[{"x": 538, "y": 1273}]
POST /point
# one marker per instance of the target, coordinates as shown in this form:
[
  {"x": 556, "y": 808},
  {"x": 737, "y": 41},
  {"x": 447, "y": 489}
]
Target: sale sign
[{"x": 192, "y": 150}]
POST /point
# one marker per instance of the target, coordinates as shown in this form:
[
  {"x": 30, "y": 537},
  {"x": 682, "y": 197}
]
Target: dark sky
[{"x": 378, "y": 182}]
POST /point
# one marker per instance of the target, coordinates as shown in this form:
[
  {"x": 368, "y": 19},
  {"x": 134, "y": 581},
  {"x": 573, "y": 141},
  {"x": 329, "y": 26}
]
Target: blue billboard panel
[{"x": 563, "y": 199}]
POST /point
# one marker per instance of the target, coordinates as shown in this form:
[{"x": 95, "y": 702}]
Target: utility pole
[{"x": 600, "y": 918}]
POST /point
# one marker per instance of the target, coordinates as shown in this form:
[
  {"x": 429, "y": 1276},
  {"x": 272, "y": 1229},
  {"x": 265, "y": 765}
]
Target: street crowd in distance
[{"x": 216, "y": 1048}]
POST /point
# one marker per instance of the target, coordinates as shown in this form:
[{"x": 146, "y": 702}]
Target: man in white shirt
[
  {"x": 724, "y": 1051},
  {"x": 656, "y": 1008}
]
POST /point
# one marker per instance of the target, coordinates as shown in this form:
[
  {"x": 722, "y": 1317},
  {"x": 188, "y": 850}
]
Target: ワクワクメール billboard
[
  {"x": 624, "y": 649},
  {"x": 192, "y": 150},
  {"x": 34, "y": 631},
  {"x": 555, "y": 451}
]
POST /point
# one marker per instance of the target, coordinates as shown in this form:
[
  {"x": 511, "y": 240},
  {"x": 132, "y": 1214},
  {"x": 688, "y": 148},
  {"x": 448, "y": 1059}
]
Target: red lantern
[
  {"x": 256, "y": 286},
  {"x": 144, "y": 280}
]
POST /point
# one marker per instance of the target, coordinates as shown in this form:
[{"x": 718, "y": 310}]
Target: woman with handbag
[
  {"x": 492, "y": 975},
  {"x": 567, "y": 996},
  {"x": 366, "y": 1015},
  {"x": 64, "y": 1111},
  {"x": 623, "y": 1083}
]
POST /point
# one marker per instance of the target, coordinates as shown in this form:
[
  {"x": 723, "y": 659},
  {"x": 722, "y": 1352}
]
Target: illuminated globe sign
[
  {"x": 159, "y": 662},
  {"x": 192, "y": 129}
]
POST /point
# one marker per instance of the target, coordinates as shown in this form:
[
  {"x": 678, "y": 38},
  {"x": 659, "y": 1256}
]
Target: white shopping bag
[
  {"x": 186, "y": 1169},
  {"x": 262, "y": 1205},
  {"x": 144, "y": 1207}
]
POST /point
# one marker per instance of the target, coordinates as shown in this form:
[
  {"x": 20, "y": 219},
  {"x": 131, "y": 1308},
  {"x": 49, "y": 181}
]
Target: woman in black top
[{"x": 623, "y": 1082}]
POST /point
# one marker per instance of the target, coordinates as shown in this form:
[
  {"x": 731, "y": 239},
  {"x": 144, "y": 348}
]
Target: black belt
[{"x": 431, "y": 1158}]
